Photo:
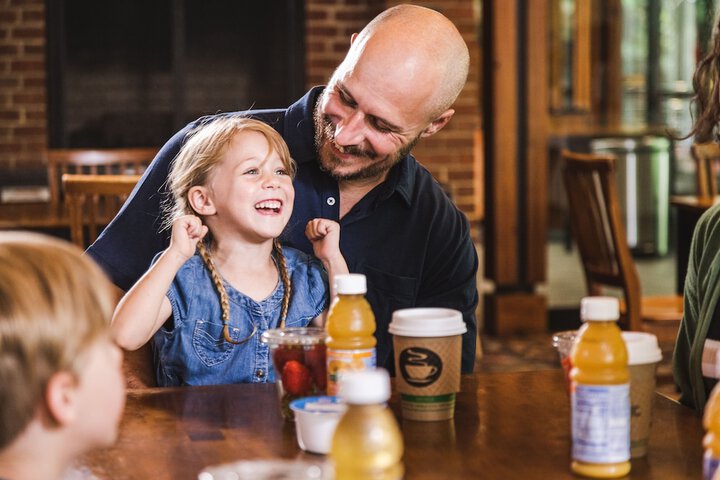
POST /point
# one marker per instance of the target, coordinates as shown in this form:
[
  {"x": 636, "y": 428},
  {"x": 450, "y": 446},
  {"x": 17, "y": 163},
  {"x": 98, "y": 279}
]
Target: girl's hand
[
  {"x": 325, "y": 237},
  {"x": 187, "y": 231}
]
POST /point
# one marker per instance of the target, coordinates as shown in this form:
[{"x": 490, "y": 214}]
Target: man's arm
[
  {"x": 450, "y": 279},
  {"x": 126, "y": 247}
]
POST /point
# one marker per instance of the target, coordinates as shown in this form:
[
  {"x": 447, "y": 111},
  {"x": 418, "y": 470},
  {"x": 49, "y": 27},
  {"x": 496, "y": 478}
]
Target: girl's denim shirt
[{"x": 190, "y": 349}]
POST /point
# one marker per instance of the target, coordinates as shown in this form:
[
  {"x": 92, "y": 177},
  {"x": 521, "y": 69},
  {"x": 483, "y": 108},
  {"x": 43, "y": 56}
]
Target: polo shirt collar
[{"x": 300, "y": 137}]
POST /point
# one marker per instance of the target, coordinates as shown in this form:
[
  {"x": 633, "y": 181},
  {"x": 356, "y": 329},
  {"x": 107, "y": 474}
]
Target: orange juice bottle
[
  {"x": 711, "y": 440},
  {"x": 367, "y": 443},
  {"x": 350, "y": 328},
  {"x": 600, "y": 393}
]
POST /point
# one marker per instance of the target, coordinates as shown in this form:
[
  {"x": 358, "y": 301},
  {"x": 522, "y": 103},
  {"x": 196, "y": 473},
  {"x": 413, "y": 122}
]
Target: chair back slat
[
  {"x": 707, "y": 160},
  {"x": 93, "y": 200},
  {"x": 116, "y": 161},
  {"x": 597, "y": 227}
]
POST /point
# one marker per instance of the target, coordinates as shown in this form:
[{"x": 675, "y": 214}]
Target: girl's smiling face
[{"x": 250, "y": 189}]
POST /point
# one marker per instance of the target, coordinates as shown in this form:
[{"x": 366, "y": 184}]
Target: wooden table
[
  {"x": 507, "y": 426},
  {"x": 689, "y": 209}
]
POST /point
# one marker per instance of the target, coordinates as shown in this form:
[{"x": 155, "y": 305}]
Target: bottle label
[
  {"x": 344, "y": 360},
  {"x": 710, "y": 464},
  {"x": 601, "y": 423}
]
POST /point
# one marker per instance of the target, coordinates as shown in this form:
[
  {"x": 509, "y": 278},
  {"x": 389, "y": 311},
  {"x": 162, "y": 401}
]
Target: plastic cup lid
[
  {"x": 294, "y": 336},
  {"x": 319, "y": 405},
  {"x": 642, "y": 348},
  {"x": 427, "y": 322}
]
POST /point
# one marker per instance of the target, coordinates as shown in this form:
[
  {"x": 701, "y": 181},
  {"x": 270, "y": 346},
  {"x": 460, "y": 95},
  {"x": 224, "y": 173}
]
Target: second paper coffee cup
[
  {"x": 643, "y": 357},
  {"x": 428, "y": 350}
]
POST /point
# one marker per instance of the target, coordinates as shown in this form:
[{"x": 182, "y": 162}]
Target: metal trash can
[{"x": 643, "y": 180}]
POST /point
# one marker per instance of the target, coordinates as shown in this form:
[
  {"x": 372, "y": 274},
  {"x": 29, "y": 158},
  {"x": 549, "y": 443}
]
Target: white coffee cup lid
[
  {"x": 642, "y": 348},
  {"x": 427, "y": 322}
]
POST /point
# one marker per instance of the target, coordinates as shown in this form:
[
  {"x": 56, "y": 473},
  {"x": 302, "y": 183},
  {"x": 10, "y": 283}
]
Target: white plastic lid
[
  {"x": 642, "y": 348},
  {"x": 599, "y": 309},
  {"x": 350, "y": 284},
  {"x": 427, "y": 322},
  {"x": 365, "y": 387}
]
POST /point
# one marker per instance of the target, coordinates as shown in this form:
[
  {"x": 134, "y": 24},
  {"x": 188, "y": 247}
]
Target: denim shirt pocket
[{"x": 210, "y": 344}]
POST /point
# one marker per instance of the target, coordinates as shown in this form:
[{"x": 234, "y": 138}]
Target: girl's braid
[
  {"x": 282, "y": 267},
  {"x": 224, "y": 301}
]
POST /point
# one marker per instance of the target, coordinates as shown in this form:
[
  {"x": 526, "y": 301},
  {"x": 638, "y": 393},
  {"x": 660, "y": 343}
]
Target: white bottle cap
[
  {"x": 642, "y": 348},
  {"x": 601, "y": 309},
  {"x": 350, "y": 284},
  {"x": 365, "y": 387}
]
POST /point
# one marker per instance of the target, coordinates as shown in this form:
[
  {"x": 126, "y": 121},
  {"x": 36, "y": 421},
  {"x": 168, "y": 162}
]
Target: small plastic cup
[
  {"x": 563, "y": 342},
  {"x": 298, "y": 356},
  {"x": 315, "y": 421}
]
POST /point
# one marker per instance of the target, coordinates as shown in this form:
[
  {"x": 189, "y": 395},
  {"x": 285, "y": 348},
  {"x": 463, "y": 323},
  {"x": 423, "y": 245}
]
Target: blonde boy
[{"x": 61, "y": 387}]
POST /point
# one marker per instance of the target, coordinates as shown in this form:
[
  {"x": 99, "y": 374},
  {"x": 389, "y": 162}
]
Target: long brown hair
[
  {"x": 202, "y": 151},
  {"x": 706, "y": 83}
]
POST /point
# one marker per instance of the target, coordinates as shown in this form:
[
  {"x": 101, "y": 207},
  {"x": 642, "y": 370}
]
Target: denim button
[
  {"x": 331, "y": 201},
  {"x": 260, "y": 373}
]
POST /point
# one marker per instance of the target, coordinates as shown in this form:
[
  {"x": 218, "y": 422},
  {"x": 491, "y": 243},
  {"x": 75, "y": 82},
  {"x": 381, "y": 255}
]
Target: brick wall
[
  {"x": 23, "y": 130},
  {"x": 450, "y": 154}
]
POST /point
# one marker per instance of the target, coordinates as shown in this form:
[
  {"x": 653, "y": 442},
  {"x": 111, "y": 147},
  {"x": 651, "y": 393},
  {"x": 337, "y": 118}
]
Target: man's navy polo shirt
[{"x": 405, "y": 235}]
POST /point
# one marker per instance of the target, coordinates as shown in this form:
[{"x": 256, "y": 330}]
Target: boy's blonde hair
[
  {"x": 54, "y": 304},
  {"x": 202, "y": 151}
]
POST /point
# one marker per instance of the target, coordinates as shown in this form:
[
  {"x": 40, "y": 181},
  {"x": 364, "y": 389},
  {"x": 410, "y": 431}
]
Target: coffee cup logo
[{"x": 420, "y": 367}]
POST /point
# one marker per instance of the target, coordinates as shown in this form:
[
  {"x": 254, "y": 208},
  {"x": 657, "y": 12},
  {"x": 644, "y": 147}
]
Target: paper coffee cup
[
  {"x": 428, "y": 351},
  {"x": 643, "y": 357}
]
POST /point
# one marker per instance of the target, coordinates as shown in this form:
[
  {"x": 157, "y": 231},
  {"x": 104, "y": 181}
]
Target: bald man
[{"x": 352, "y": 142}]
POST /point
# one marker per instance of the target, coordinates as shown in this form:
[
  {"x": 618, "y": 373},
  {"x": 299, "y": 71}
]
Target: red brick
[
  {"x": 34, "y": 49},
  {"x": 28, "y": 32},
  {"x": 316, "y": 15},
  {"x": 323, "y": 31},
  {"x": 33, "y": 15},
  {"x": 27, "y": 65},
  {"x": 26, "y": 3},
  {"x": 9, "y": 50},
  {"x": 8, "y": 17},
  {"x": 34, "y": 82},
  {"x": 28, "y": 99},
  {"x": 9, "y": 115}
]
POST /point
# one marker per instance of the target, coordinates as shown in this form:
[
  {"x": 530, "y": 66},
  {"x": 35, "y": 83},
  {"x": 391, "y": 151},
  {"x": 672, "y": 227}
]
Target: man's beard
[{"x": 324, "y": 134}]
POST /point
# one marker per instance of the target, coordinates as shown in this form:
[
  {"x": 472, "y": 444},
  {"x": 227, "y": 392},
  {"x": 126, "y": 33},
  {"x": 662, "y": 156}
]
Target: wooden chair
[
  {"x": 92, "y": 201},
  {"x": 598, "y": 231},
  {"x": 116, "y": 161},
  {"x": 707, "y": 157}
]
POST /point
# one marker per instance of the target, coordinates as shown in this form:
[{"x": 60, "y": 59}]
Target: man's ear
[
  {"x": 200, "y": 201},
  {"x": 438, "y": 123},
  {"x": 353, "y": 37},
  {"x": 60, "y": 398}
]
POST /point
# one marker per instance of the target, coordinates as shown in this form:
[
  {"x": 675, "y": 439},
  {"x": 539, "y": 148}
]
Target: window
[{"x": 132, "y": 73}]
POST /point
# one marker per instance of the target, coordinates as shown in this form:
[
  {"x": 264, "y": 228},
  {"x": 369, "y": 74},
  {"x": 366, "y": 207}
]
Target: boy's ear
[
  {"x": 200, "y": 201},
  {"x": 60, "y": 398}
]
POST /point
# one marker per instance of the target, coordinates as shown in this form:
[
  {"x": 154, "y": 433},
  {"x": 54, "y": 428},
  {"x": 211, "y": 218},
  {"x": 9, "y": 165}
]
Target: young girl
[{"x": 232, "y": 195}]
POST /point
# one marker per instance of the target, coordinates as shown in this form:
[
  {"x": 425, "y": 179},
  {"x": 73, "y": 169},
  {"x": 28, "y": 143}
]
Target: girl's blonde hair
[
  {"x": 54, "y": 304},
  {"x": 202, "y": 151}
]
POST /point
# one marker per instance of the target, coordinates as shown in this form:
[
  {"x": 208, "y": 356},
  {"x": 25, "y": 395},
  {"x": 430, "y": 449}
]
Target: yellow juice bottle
[
  {"x": 350, "y": 330},
  {"x": 711, "y": 440},
  {"x": 600, "y": 393},
  {"x": 367, "y": 443}
]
